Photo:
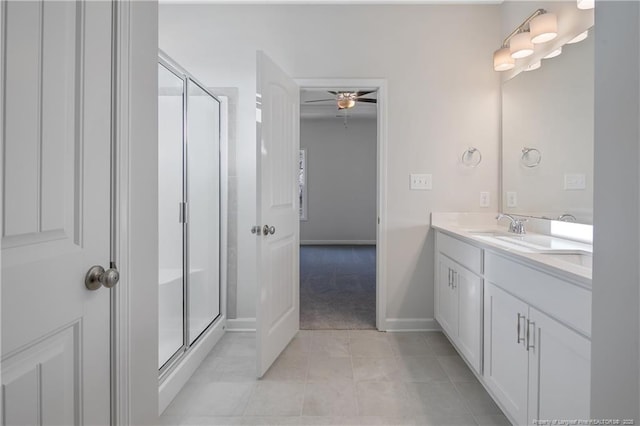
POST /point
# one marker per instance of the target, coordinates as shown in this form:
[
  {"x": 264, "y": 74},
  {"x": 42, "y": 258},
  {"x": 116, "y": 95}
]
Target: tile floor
[{"x": 341, "y": 377}]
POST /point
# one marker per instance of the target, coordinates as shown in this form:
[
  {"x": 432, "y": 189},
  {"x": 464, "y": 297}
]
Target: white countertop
[{"x": 470, "y": 226}]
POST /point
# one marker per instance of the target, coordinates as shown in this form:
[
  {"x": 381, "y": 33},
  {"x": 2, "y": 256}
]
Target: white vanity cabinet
[
  {"x": 536, "y": 353},
  {"x": 458, "y": 291}
]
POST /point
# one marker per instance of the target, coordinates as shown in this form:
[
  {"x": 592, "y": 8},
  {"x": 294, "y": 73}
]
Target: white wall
[
  {"x": 341, "y": 180},
  {"x": 615, "y": 344},
  {"x": 443, "y": 96}
]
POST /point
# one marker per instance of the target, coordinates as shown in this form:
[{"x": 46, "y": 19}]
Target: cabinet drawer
[
  {"x": 560, "y": 299},
  {"x": 465, "y": 254}
]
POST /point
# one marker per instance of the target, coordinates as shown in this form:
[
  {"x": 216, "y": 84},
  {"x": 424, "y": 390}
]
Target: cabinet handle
[
  {"x": 453, "y": 279},
  {"x": 520, "y": 339},
  {"x": 449, "y": 282},
  {"x": 529, "y": 345}
]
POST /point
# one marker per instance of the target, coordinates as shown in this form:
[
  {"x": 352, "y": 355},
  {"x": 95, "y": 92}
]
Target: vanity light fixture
[
  {"x": 586, "y": 4},
  {"x": 579, "y": 37},
  {"x": 553, "y": 54},
  {"x": 540, "y": 27}
]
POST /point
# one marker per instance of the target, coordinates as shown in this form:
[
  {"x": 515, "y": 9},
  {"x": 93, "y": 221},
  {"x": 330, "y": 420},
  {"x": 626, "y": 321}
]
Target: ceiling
[
  {"x": 329, "y": 109},
  {"x": 334, "y": 2}
]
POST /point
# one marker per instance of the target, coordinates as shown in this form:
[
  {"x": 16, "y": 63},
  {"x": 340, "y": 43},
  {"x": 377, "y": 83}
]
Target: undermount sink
[
  {"x": 535, "y": 243},
  {"x": 579, "y": 259}
]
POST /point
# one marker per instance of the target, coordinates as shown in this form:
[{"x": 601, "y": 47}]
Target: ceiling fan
[{"x": 346, "y": 100}]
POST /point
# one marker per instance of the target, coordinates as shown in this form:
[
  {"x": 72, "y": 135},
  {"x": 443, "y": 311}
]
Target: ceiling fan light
[
  {"x": 520, "y": 45},
  {"x": 543, "y": 28},
  {"x": 502, "y": 60},
  {"x": 579, "y": 37},
  {"x": 345, "y": 103}
]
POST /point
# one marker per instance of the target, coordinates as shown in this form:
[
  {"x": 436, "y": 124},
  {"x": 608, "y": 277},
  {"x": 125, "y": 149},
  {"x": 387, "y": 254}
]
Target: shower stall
[{"x": 189, "y": 206}]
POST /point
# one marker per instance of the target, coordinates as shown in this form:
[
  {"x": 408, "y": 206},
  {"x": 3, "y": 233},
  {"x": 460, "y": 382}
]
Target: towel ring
[
  {"x": 471, "y": 157},
  {"x": 531, "y": 157}
]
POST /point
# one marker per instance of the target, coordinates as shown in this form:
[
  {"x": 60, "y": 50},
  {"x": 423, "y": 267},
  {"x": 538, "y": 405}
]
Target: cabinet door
[
  {"x": 559, "y": 370},
  {"x": 469, "y": 289},
  {"x": 447, "y": 314},
  {"x": 505, "y": 356}
]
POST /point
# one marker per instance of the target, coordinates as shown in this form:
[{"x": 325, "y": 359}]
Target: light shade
[
  {"x": 520, "y": 45},
  {"x": 533, "y": 66},
  {"x": 586, "y": 4},
  {"x": 543, "y": 28},
  {"x": 502, "y": 60},
  {"x": 346, "y": 103},
  {"x": 579, "y": 37},
  {"x": 553, "y": 54}
]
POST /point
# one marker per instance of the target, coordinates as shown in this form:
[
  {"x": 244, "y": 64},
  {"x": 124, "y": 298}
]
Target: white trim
[
  {"x": 338, "y": 242},
  {"x": 412, "y": 324},
  {"x": 381, "y": 184},
  {"x": 241, "y": 324},
  {"x": 178, "y": 377},
  {"x": 135, "y": 319}
]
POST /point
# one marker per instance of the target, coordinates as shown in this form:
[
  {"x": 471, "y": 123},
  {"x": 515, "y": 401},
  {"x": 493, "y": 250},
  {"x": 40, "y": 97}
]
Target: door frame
[
  {"x": 134, "y": 323},
  {"x": 381, "y": 179}
]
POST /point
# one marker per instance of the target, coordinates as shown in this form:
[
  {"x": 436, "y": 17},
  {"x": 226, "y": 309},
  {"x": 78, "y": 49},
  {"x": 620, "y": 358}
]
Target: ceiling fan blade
[
  {"x": 358, "y": 94},
  {"x": 371, "y": 101},
  {"x": 320, "y": 100}
]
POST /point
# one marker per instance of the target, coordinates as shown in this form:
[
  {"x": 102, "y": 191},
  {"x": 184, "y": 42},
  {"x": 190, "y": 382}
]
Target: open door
[
  {"x": 278, "y": 143},
  {"x": 57, "y": 61}
]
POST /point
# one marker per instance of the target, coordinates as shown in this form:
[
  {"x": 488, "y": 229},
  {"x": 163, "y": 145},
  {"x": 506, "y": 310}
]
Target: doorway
[{"x": 339, "y": 205}]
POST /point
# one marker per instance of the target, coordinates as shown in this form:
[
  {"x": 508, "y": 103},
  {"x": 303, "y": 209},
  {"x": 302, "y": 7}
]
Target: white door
[
  {"x": 278, "y": 144},
  {"x": 55, "y": 332},
  {"x": 559, "y": 370},
  {"x": 469, "y": 289},
  {"x": 505, "y": 354}
]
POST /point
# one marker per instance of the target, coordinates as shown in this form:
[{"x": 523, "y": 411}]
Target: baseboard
[
  {"x": 337, "y": 242},
  {"x": 241, "y": 324},
  {"x": 412, "y": 324}
]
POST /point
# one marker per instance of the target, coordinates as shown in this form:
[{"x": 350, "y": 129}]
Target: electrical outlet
[
  {"x": 575, "y": 181},
  {"x": 420, "y": 182},
  {"x": 485, "y": 199},
  {"x": 512, "y": 199}
]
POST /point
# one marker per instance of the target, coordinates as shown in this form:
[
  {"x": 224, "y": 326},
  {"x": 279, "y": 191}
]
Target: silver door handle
[
  {"x": 529, "y": 345},
  {"x": 266, "y": 230},
  {"x": 97, "y": 277},
  {"x": 453, "y": 278},
  {"x": 449, "y": 282},
  {"x": 520, "y": 339}
]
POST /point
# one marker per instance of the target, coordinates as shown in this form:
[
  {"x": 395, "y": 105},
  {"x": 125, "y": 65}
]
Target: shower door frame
[{"x": 183, "y": 351}]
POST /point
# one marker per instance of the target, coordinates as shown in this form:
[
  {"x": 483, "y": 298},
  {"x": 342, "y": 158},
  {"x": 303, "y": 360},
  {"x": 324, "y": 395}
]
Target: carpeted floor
[{"x": 337, "y": 287}]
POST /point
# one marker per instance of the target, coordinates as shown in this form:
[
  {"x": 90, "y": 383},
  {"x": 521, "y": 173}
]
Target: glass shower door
[
  {"x": 203, "y": 198},
  {"x": 170, "y": 228}
]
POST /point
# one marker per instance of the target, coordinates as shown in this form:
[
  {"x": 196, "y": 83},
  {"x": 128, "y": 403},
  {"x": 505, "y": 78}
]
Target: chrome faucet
[{"x": 516, "y": 226}]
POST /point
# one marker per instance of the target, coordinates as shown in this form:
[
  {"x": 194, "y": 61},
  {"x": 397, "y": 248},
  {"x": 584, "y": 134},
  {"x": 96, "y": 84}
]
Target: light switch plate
[
  {"x": 512, "y": 199},
  {"x": 420, "y": 181},
  {"x": 485, "y": 199},
  {"x": 575, "y": 181}
]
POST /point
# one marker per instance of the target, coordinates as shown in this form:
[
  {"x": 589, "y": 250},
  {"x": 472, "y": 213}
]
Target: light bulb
[
  {"x": 586, "y": 4},
  {"x": 533, "y": 66},
  {"x": 553, "y": 54},
  {"x": 579, "y": 37}
]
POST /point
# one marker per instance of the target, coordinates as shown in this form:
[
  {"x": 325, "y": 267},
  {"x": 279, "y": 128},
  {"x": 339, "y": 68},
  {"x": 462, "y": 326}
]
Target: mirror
[{"x": 547, "y": 137}]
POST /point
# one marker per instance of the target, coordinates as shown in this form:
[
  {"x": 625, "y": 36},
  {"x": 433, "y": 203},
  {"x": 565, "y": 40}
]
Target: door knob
[
  {"x": 266, "y": 230},
  {"x": 97, "y": 277}
]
